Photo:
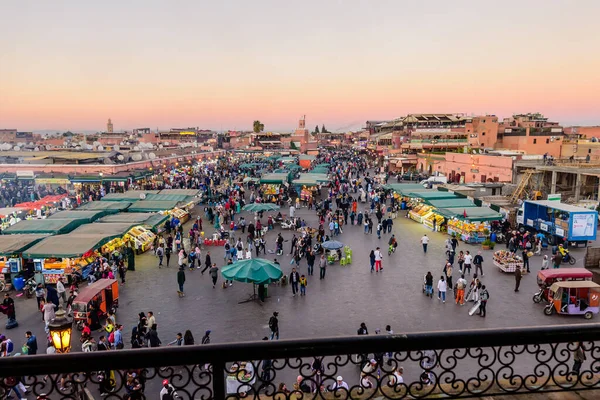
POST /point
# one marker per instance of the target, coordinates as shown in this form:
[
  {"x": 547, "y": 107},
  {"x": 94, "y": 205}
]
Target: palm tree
[{"x": 258, "y": 127}]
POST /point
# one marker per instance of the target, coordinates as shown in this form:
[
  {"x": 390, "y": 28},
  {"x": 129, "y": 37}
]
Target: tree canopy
[{"x": 257, "y": 126}]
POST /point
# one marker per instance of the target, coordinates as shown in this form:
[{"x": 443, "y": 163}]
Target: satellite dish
[
  {"x": 142, "y": 196},
  {"x": 36, "y": 149},
  {"x": 116, "y": 147},
  {"x": 152, "y": 156},
  {"x": 96, "y": 143},
  {"x": 100, "y": 147},
  {"x": 160, "y": 146},
  {"x": 120, "y": 157},
  {"x": 136, "y": 157},
  {"x": 16, "y": 148},
  {"x": 136, "y": 148}
]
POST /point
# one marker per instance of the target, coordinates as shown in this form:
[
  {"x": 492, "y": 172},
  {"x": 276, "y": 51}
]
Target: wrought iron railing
[{"x": 456, "y": 364}]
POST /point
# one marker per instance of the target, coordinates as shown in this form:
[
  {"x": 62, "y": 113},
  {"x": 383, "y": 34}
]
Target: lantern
[{"x": 60, "y": 329}]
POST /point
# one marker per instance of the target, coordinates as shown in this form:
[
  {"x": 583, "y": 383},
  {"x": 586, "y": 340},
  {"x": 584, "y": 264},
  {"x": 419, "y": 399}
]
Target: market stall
[
  {"x": 153, "y": 221},
  {"x": 109, "y": 207},
  {"x": 130, "y": 195},
  {"x": 11, "y": 247},
  {"x": 420, "y": 212},
  {"x": 43, "y": 226},
  {"x": 180, "y": 213},
  {"x": 83, "y": 215},
  {"x": 144, "y": 206},
  {"x": 471, "y": 224},
  {"x": 55, "y": 260},
  {"x": 141, "y": 238},
  {"x": 507, "y": 261}
]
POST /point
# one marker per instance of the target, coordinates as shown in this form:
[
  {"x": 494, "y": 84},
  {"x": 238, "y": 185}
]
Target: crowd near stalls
[{"x": 219, "y": 215}]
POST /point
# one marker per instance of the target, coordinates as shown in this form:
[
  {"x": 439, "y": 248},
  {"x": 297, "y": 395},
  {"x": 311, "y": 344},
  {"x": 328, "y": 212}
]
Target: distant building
[{"x": 109, "y": 126}]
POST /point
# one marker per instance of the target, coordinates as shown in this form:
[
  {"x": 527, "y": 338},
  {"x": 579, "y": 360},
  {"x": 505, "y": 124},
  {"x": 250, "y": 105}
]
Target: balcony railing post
[{"x": 218, "y": 380}]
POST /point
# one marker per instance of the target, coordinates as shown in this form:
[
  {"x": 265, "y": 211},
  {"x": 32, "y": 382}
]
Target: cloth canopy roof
[
  {"x": 87, "y": 216},
  {"x": 44, "y": 226},
  {"x": 404, "y": 188},
  {"x": 305, "y": 182},
  {"x": 152, "y": 206},
  {"x": 14, "y": 244},
  {"x": 108, "y": 230},
  {"x": 170, "y": 197},
  {"x": 306, "y": 157},
  {"x": 473, "y": 214},
  {"x": 130, "y": 195},
  {"x": 433, "y": 195},
  {"x": 152, "y": 220},
  {"x": 187, "y": 192},
  {"x": 451, "y": 203},
  {"x": 110, "y": 207},
  {"x": 274, "y": 178},
  {"x": 54, "y": 246},
  {"x": 319, "y": 177}
]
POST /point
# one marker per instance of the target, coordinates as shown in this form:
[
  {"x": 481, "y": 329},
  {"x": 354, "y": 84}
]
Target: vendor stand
[
  {"x": 419, "y": 212},
  {"x": 472, "y": 224},
  {"x": 507, "y": 261},
  {"x": 141, "y": 238},
  {"x": 11, "y": 263}
]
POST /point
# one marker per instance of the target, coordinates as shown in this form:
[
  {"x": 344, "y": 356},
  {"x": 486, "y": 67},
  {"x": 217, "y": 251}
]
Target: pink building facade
[{"x": 467, "y": 168}]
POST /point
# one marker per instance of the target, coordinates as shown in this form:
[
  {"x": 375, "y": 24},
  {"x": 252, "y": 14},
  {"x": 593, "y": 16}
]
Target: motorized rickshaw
[
  {"x": 546, "y": 277},
  {"x": 574, "y": 298},
  {"x": 102, "y": 296}
]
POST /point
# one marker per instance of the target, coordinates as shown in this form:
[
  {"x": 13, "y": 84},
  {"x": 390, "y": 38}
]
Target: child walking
[{"x": 303, "y": 285}]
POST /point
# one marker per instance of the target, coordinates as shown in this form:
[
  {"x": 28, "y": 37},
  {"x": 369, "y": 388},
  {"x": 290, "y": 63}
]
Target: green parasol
[
  {"x": 258, "y": 207},
  {"x": 256, "y": 270}
]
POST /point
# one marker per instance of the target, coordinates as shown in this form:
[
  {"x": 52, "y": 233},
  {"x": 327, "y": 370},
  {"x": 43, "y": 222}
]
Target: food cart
[
  {"x": 507, "y": 261},
  {"x": 430, "y": 217},
  {"x": 419, "y": 211},
  {"x": 140, "y": 237},
  {"x": 468, "y": 232}
]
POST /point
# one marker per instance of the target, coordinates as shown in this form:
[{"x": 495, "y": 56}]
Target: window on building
[
  {"x": 534, "y": 141},
  {"x": 482, "y": 133},
  {"x": 483, "y": 121},
  {"x": 589, "y": 151},
  {"x": 547, "y": 141}
]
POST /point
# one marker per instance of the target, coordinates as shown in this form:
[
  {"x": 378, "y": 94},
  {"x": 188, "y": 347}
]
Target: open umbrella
[
  {"x": 258, "y": 207},
  {"x": 257, "y": 271},
  {"x": 332, "y": 245}
]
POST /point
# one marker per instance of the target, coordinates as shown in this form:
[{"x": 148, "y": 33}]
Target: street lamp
[{"x": 60, "y": 329}]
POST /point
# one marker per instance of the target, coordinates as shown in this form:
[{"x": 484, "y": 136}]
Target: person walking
[
  {"x": 160, "y": 252},
  {"x": 214, "y": 274},
  {"x": 448, "y": 271},
  {"x": 168, "y": 251},
  {"x": 294, "y": 280},
  {"x": 310, "y": 261},
  {"x": 372, "y": 260},
  {"x": 429, "y": 284},
  {"x": 484, "y": 296},
  {"x": 424, "y": 242},
  {"x": 207, "y": 263},
  {"x": 378, "y": 259},
  {"x": 478, "y": 261},
  {"x": 556, "y": 260},
  {"x": 441, "y": 286},
  {"x": 578, "y": 357},
  {"x": 31, "y": 343},
  {"x": 322, "y": 267},
  {"x": 525, "y": 255},
  {"x": 545, "y": 262},
  {"x": 274, "y": 325},
  {"x": 518, "y": 276},
  {"x": 379, "y": 228},
  {"x": 60, "y": 289},
  {"x": 303, "y": 284},
  {"x": 181, "y": 281},
  {"x": 468, "y": 262},
  {"x": 461, "y": 284}
]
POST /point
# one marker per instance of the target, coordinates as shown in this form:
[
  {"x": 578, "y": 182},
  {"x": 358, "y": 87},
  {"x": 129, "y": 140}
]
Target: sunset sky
[{"x": 222, "y": 64}]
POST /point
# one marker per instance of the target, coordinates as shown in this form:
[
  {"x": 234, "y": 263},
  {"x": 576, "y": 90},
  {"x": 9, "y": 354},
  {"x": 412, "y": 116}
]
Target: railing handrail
[{"x": 219, "y": 354}]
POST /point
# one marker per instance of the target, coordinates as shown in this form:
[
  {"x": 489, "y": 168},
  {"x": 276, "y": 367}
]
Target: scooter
[
  {"x": 30, "y": 287},
  {"x": 569, "y": 258}
]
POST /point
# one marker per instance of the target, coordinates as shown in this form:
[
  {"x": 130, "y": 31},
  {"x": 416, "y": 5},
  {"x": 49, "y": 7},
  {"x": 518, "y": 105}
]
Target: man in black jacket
[
  {"x": 207, "y": 262},
  {"x": 478, "y": 261},
  {"x": 310, "y": 260},
  {"x": 274, "y": 325},
  {"x": 294, "y": 279}
]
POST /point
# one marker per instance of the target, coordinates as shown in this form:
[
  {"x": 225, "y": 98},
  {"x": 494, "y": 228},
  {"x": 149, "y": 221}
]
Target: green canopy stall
[
  {"x": 109, "y": 207},
  {"x": 130, "y": 195},
  {"x": 54, "y": 246},
  {"x": 86, "y": 216},
  {"x": 16, "y": 244},
  {"x": 433, "y": 195},
  {"x": 403, "y": 189},
  {"x": 183, "y": 198},
  {"x": 275, "y": 178},
  {"x": 44, "y": 226},
  {"x": 151, "y": 220},
  {"x": 471, "y": 214},
  {"x": 451, "y": 203},
  {"x": 152, "y": 206}
]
